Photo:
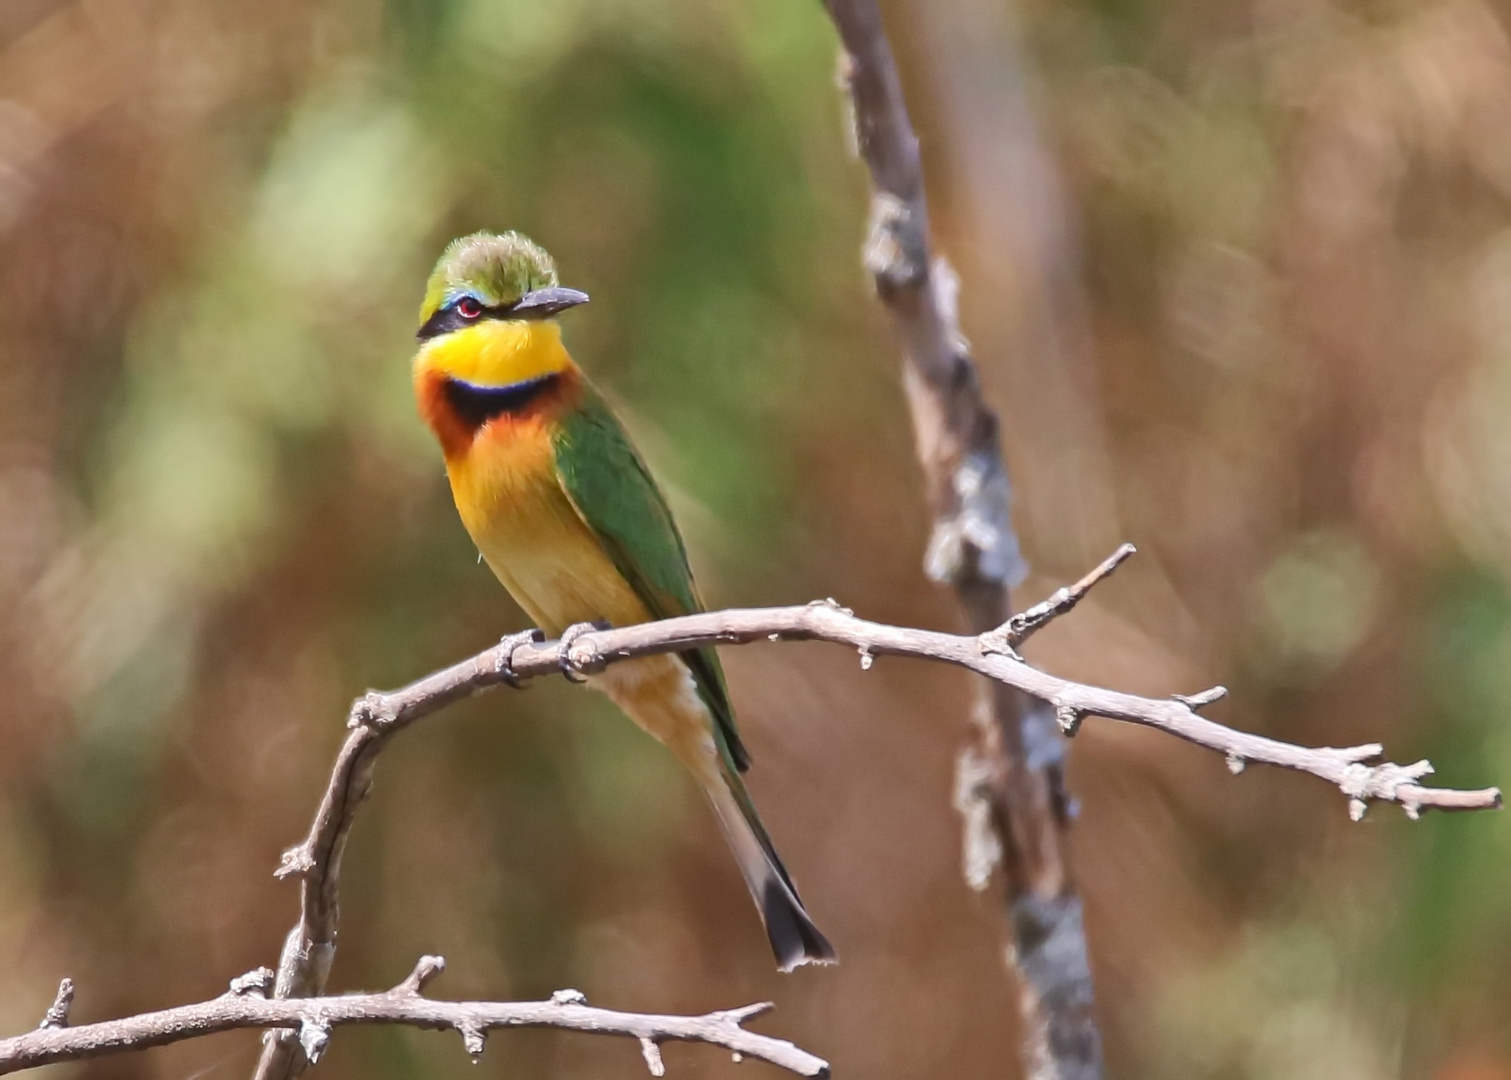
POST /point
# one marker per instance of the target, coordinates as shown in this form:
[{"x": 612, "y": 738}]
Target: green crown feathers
[{"x": 497, "y": 268}]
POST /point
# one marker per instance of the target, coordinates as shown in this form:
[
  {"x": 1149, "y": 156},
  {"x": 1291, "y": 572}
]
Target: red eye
[{"x": 468, "y": 307}]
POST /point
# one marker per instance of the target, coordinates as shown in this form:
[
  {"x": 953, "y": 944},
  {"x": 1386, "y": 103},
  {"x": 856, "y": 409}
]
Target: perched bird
[{"x": 563, "y": 510}]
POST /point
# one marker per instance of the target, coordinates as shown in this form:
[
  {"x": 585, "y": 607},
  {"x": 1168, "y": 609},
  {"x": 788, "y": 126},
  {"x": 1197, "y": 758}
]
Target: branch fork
[
  {"x": 57, "y": 1013},
  {"x": 296, "y": 862},
  {"x": 425, "y": 969},
  {"x": 300, "y": 1021},
  {"x": 372, "y": 710},
  {"x": 1197, "y": 702},
  {"x": 317, "y": 861},
  {"x": 1006, "y": 638},
  {"x": 259, "y": 982}
]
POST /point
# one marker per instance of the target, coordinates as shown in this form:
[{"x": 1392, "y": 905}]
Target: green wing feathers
[
  {"x": 608, "y": 484},
  {"x": 611, "y": 488}
]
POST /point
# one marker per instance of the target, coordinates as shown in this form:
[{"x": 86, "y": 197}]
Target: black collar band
[{"x": 476, "y": 405}]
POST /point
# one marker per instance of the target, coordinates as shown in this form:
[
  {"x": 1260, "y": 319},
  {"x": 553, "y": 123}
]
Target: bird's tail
[{"x": 794, "y": 938}]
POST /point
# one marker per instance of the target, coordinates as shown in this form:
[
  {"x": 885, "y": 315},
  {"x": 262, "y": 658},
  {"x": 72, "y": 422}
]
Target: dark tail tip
[{"x": 794, "y": 938}]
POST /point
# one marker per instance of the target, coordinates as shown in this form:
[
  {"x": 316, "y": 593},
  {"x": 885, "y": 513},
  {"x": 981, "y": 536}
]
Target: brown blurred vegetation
[{"x": 1238, "y": 278}]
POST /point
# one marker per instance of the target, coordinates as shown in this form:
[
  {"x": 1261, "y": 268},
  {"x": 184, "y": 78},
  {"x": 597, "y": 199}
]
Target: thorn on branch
[
  {"x": 568, "y": 997},
  {"x": 1236, "y": 764},
  {"x": 1197, "y": 702},
  {"x": 747, "y": 1012},
  {"x": 372, "y": 710},
  {"x": 57, "y": 1013},
  {"x": 1405, "y": 774},
  {"x": 832, "y": 604},
  {"x": 896, "y": 250},
  {"x": 1007, "y": 637},
  {"x": 1069, "y": 718},
  {"x": 425, "y": 969},
  {"x": 1362, "y": 783},
  {"x": 999, "y": 642},
  {"x": 474, "y": 1040},
  {"x": 504, "y": 665},
  {"x": 652, "y": 1054},
  {"x": 867, "y": 658},
  {"x": 314, "y": 1037},
  {"x": 259, "y": 982},
  {"x": 296, "y": 862}
]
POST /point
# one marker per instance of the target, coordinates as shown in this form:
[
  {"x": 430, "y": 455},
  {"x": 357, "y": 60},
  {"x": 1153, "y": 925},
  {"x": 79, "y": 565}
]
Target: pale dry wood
[
  {"x": 1010, "y": 782},
  {"x": 308, "y": 1019},
  {"x": 310, "y": 1022},
  {"x": 57, "y": 1013},
  {"x": 585, "y": 650},
  {"x": 593, "y": 650}
]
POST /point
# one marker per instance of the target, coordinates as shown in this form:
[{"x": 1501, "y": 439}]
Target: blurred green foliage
[{"x": 1235, "y": 275}]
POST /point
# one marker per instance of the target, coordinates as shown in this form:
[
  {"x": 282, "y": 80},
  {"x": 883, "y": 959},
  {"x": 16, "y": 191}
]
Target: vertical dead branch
[
  {"x": 1026, "y": 250},
  {"x": 311, "y": 944},
  {"x": 316, "y": 863},
  {"x": 1011, "y": 782}
]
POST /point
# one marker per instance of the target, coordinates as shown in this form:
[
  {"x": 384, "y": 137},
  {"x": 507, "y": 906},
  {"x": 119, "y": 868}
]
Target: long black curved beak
[{"x": 543, "y": 303}]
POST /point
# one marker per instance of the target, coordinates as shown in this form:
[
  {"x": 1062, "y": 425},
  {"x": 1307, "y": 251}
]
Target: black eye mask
[{"x": 537, "y": 304}]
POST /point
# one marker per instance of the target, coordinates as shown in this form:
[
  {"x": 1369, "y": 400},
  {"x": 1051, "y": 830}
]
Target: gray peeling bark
[{"x": 1010, "y": 785}]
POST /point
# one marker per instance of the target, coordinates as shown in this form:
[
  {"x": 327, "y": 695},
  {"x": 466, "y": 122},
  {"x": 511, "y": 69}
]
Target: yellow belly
[
  {"x": 658, "y": 693},
  {"x": 532, "y": 538}
]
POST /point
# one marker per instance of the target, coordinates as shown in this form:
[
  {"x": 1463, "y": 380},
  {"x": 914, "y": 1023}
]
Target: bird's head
[{"x": 488, "y": 313}]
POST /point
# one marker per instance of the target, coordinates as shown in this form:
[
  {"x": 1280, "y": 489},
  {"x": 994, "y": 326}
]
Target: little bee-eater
[{"x": 564, "y": 511}]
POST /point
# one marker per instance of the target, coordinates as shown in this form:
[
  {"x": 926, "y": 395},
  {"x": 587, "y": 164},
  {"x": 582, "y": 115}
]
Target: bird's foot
[
  {"x": 573, "y": 667},
  {"x": 506, "y": 648}
]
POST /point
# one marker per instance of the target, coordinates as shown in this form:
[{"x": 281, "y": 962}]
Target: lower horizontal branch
[{"x": 314, "y": 1018}]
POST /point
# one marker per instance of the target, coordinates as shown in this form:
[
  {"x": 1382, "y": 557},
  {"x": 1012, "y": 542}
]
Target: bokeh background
[{"x": 1239, "y": 279}]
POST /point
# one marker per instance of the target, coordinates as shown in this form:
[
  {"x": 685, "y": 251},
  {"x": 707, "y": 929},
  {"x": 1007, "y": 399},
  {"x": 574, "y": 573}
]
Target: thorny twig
[
  {"x": 311, "y": 1020},
  {"x": 375, "y": 717},
  {"x": 1025, "y": 624},
  {"x": 824, "y": 620}
]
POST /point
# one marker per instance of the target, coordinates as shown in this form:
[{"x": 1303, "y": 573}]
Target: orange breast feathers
[
  {"x": 495, "y": 412},
  {"x": 506, "y": 378},
  {"x": 511, "y": 501}
]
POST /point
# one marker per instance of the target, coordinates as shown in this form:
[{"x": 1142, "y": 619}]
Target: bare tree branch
[
  {"x": 311, "y": 945},
  {"x": 57, "y": 1013},
  {"x": 1010, "y": 785},
  {"x": 824, "y": 620},
  {"x": 1024, "y": 625},
  {"x": 584, "y": 651},
  {"x": 311, "y": 1020}
]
